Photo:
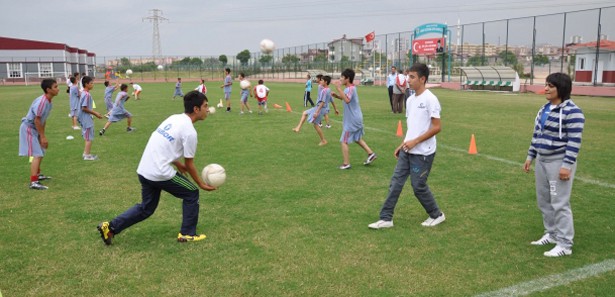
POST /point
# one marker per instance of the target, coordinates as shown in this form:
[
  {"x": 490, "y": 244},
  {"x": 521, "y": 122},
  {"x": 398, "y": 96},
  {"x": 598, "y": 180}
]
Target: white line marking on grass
[
  {"x": 494, "y": 158},
  {"x": 555, "y": 280}
]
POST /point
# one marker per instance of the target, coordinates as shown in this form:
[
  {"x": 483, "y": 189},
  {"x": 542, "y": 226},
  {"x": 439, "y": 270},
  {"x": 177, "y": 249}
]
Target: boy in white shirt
[{"x": 416, "y": 153}]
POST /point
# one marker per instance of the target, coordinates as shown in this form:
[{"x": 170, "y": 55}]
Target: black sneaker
[
  {"x": 105, "y": 233},
  {"x": 370, "y": 158},
  {"x": 43, "y": 177},
  {"x": 101, "y": 132},
  {"x": 37, "y": 186},
  {"x": 130, "y": 129}
]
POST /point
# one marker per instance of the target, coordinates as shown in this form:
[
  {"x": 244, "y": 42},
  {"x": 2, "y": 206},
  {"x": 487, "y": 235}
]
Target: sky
[{"x": 211, "y": 28}]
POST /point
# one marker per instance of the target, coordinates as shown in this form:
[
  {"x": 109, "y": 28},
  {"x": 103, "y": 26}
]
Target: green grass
[{"x": 288, "y": 222}]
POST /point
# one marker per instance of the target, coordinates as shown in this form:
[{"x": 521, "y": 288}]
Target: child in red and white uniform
[{"x": 261, "y": 92}]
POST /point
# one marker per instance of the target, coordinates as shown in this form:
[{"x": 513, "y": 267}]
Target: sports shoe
[
  {"x": 37, "y": 186},
  {"x": 345, "y": 166},
  {"x": 130, "y": 129},
  {"x": 430, "y": 222},
  {"x": 381, "y": 224},
  {"x": 544, "y": 240},
  {"x": 370, "y": 158},
  {"x": 328, "y": 126},
  {"x": 90, "y": 157},
  {"x": 558, "y": 251},
  {"x": 43, "y": 177},
  {"x": 319, "y": 124},
  {"x": 250, "y": 111},
  {"x": 241, "y": 112},
  {"x": 105, "y": 233},
  {"x": 101, "y": 132},
  {"x": 187, "y": 238},
  {"x": 76, "y": 128}
]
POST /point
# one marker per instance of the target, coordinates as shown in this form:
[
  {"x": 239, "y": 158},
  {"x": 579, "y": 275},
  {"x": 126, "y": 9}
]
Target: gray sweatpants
[
  {"x": 418, "y": 168},
  {"x": 553, "y": 196}
]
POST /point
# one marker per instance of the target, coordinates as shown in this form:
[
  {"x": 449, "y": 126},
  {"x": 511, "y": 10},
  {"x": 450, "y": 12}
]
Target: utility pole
[{"x": 155, "y": 18}]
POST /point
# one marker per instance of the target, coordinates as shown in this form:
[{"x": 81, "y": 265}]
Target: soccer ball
[
  {"x": 160, "y": 67},
  {"x": 267, "y": 46},
  {"x": 128, "y": 72},
  {"x": 212, "y": 110},
  {"x": 244, "y": 84},
  {"x": 214, "y": 175}
]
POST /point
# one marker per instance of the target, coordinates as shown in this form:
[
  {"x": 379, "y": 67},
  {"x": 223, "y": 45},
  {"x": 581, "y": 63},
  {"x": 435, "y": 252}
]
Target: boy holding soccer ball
[
  {"x": 175, "y": 138},
  {"x": 244, "y": 84}
]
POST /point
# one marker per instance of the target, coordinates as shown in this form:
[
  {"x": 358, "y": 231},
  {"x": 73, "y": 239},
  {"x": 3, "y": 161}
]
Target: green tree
[
  {"x": 541, "y": 59},
  {"x": 320, "y": 58},
  {"x": 196, "y": 61},
  {"x": 244, "y": 57},
  {"x": 265, "y": 59},
  {"x": 290, "y": 59},
  {"x": 124, "y": 61},
  {"x": 477, "y": 60},
  {"x": 508, "y": 58},
  {"x": 223, "y": 59},
  {"x": 518, "y": 67}
]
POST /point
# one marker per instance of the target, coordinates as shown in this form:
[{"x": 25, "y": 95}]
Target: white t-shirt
[
  {"x": 419, "y": 111},
  {"x": 173, "y": 139}
]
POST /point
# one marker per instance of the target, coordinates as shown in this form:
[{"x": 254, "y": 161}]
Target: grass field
[{"x": 288, "y": 222}]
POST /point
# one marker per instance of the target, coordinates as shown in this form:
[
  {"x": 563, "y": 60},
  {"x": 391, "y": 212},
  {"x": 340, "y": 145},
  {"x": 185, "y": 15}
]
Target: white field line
[
  {"x": 555, "y": 280},
  {"x": 494, "y": 158}
]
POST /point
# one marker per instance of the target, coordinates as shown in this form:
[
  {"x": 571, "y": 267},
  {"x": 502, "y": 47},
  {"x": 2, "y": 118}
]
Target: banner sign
[
  {"x": 428, "y": 46},
  {"x": 430, "y": 28}
]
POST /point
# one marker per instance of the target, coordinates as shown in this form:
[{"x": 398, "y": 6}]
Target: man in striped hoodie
[{"x": 555, "y": 145}]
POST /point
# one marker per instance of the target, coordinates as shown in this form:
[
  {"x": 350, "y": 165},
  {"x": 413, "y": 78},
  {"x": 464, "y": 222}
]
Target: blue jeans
[
  {"x": 418, "y": 168},
  {"x": 179, "y": 186}
]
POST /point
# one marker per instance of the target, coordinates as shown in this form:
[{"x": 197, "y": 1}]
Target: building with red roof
[
  {"x": 22, "y": 60},
  {"x": 587, "y": 70}
]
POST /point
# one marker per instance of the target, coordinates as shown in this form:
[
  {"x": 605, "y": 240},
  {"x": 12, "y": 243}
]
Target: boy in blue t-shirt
[
  {"x": 178, "y": 89},
  {"x": 118, "y": 112},
  {"x": 32, "y": 139},
  {"x": 315, "y": 114},
  {"x": 353, "y": 119},
  {"x": 85, "y": 117}
]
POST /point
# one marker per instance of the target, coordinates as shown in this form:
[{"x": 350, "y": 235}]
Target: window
[
  {"x": 45, "y": 70},
  {"x": 582, "y": 63},
  {"x": 14, "y": 70}
]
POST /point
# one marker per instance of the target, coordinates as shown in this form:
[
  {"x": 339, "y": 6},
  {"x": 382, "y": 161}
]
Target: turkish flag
[{"x": 370, "y": 36}]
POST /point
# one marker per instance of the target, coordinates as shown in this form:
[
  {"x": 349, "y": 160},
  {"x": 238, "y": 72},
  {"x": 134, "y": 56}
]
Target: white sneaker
[
  {"x": 381, "y": 224},
  {"x": 544, "y": 240},
  {"x": 558, "y": 251},
  {"x": 90, "y": 157},
  {"x": 433, "y": 222},
  {"x": 76, "y": 128}
]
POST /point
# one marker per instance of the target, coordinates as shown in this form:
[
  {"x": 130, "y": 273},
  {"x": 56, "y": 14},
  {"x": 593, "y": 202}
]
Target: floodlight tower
[{"x": 155, "y": 18}]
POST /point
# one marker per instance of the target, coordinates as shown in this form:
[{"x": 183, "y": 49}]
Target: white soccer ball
[
  {"x": 160, "y": 67},
  {"x": 128, "y": 72},
  {"x": 267, "y": 46},
  {"x": 214, "y": 175},
  {"x": 212, "y": 110},
  {"x": 244, "y": 84}
]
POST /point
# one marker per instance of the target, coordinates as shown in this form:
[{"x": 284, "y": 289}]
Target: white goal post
[{"x": 36, "y": 77}]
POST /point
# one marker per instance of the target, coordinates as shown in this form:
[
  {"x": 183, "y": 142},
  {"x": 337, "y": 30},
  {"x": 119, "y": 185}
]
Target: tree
[
  {"x": 244, "y": 57},
  {"x": 265, "y": 59},
  {"x": 541, "y": 59},
  {"x": 320, "y": 58},
  {"x": 290, "y": 59},
  {"x": 477, "y": 60},
  {"x": 124, "y": 62},
  {"x": 196, "y": 61},
  {"x": 508, "y": 58},
  {"x": 223, "y": 59}
]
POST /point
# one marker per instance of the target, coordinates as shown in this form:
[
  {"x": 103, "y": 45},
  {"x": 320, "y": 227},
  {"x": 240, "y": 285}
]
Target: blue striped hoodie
[{"x": 561, "y": 134}]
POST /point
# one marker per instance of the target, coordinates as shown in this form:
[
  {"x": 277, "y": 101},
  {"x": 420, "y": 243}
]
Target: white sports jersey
[
  {"x": 173, "y": 139},
  {"x": 419, "y": 111}
]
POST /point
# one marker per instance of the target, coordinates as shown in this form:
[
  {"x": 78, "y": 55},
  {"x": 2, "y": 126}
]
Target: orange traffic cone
[
  {"x": 472, "y": 150},
  {"x": 275, "y": 105},
  {"x": 400, "y": 130},
  {"x": 288, "y": 107}
]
